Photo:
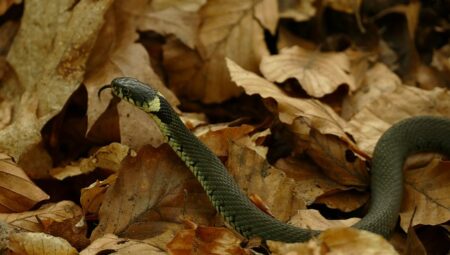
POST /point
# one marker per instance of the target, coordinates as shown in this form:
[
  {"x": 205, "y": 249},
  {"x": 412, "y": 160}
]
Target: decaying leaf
[
  {"x": 369, "y": 123},
  {"x": 206, "y": 240},
  {"x": 110, "y": 243},
  {"x": 107, "y": 157},
  {"x": 426, "y": 199},
  {"x": 48, "y": 56},
  {"x": 64, "y": 219},
  {"x": 92, "y": 197},
  {"x": 204, "y": 71},
  {"x": 19, "y": 193},
  {"x": 318, "y": 73},
  {"x": 154, "y": 191},
  {"x": 338, "y": 241},
  {"x": 39, "y": 244}
]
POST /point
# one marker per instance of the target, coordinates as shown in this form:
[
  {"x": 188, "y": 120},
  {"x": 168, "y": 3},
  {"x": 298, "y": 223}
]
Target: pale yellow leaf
[
  {"x": 317, "y": 72},
  {"x": 299, "y": 10},
  {"x": 312, "y": 219},
  {"x": 19, "y": 193},
  {"x": 39, "y": 244},
  {"x": 267, "y": 13},
  {"x": 184, "y": 5}
]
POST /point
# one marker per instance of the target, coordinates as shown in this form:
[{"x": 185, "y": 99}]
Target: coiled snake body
[{"x": 409, "y": 136}]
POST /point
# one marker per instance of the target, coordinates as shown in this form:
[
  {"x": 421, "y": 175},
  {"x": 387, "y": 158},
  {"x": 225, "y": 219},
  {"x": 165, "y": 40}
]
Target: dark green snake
[{"x": 406, "y": 137}]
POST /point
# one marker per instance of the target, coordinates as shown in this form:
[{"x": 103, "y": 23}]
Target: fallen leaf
[
  {"x": 46, "y": 87},
  {"x": 312, "y": 219},
  {"x": 64, "y": 219},
  {"x": 19, "y": 193},
  {"x": 204, "y": 71},
  {"x": 6, "y": 4},
  {"x": 206, "y": 240},
  {"x": 121, "y": 55},
  {"x": 107, "y": 157},
  {"x": 254, "y": 175},
  {"x": 371, "y": 122},
  {"x": 298, "y": 10},
  {"x": 92, "y": 197},
  {"x": 154, "y": 191},
  {"x": 338, "y": 241},
  {"x": 377, "y": 81},
  {"x": 318, "y": 73},
  {"x": 39, "y": 244},
  {"x": 110, "y": 243},
  {"x": 426, "y": 199}
]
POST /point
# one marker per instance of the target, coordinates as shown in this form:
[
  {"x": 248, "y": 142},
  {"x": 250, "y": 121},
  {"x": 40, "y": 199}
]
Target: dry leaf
[
  {"x": 6, "y": 4},
  {"x": 299, "y": 10},
  {"x": 153, "y": 193},
  {"x": 19, "y": 193},
  {"x": 206, "y": 240},
  {"x": 426, "y": 198},
  {"x": 267, "y": 13},
  {"x": 254, "y": 175},
  {"x": 172, "y": 20},
  {"x": 202, "y": 74},
  {"x": 39, "y": 244},
  {"x": 92, "y": 197},
  {"x": 64, "y": 219},
  {"x": 121, "y": 55},
  {"x": 314, "y": 187},
  {"x": 48, "y": 56},
  {"x": 368, "y": 124},
  {"x": 318, "y": 73},
  {"x": 110, "y": 243},
  {"x": 378, "y": 80},
  {"x": 107, "y": 157},
  {"x": 338, "y": 241},
  {"x": 312, "y": 219}
]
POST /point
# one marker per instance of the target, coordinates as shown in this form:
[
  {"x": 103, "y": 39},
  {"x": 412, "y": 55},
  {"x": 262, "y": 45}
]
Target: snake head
[{"x": 136, "y": 93}]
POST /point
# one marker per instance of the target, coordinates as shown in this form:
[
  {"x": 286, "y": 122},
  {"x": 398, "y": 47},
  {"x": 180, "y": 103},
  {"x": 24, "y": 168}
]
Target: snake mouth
[{"x": 107, "y": 86}]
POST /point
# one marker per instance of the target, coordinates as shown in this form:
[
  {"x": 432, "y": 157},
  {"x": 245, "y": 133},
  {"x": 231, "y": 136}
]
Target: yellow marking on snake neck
[{"x": 152, "y": 106}]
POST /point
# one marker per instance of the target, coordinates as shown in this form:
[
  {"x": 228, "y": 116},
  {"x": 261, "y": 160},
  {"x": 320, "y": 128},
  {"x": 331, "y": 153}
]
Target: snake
[{"x": 411, "y": 135}]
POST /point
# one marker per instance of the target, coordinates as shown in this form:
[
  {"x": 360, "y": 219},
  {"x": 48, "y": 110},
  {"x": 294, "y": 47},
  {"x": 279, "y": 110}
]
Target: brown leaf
[
  {"x": 370, "y": 123},
  {"x": 338, "y": 241},
  {"x": 426, "y": 198},
  {"x": 318, "y": 73},
  {"x": 202, "y": 74},
  {"x": 312, "y": 219},
  {"x": 111, "y": 243},
  {"x": 19, "y": 193},
  {"x": 206, "y": 240},
  {"x": 6, "y": 4},
  {"x": 64, "y": 219},
  {"x": 39, "y": 244},
  {"x": 179, "y": 18},
  {"x": 299, "y": 10},
  {"x": 121, "y": 55},
  {"x": 92, "y": 197},
  {"x": 61, "y": 35},
  {"x": 107, "y": 157},
  {"x": 152, "y": 194},
  {"x": 253, "y": 175}
]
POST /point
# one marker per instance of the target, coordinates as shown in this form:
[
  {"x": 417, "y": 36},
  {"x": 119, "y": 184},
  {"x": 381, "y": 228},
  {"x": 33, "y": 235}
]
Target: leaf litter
[{"x": 91, "y": 175}]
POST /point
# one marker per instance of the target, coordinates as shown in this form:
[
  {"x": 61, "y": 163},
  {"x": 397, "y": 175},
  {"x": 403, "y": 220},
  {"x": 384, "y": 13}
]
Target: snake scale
[{"x": 417, "y": 134}]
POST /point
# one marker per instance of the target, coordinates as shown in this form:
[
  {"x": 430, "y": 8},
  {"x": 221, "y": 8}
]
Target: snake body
[{"x": 408, "y": 136}]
